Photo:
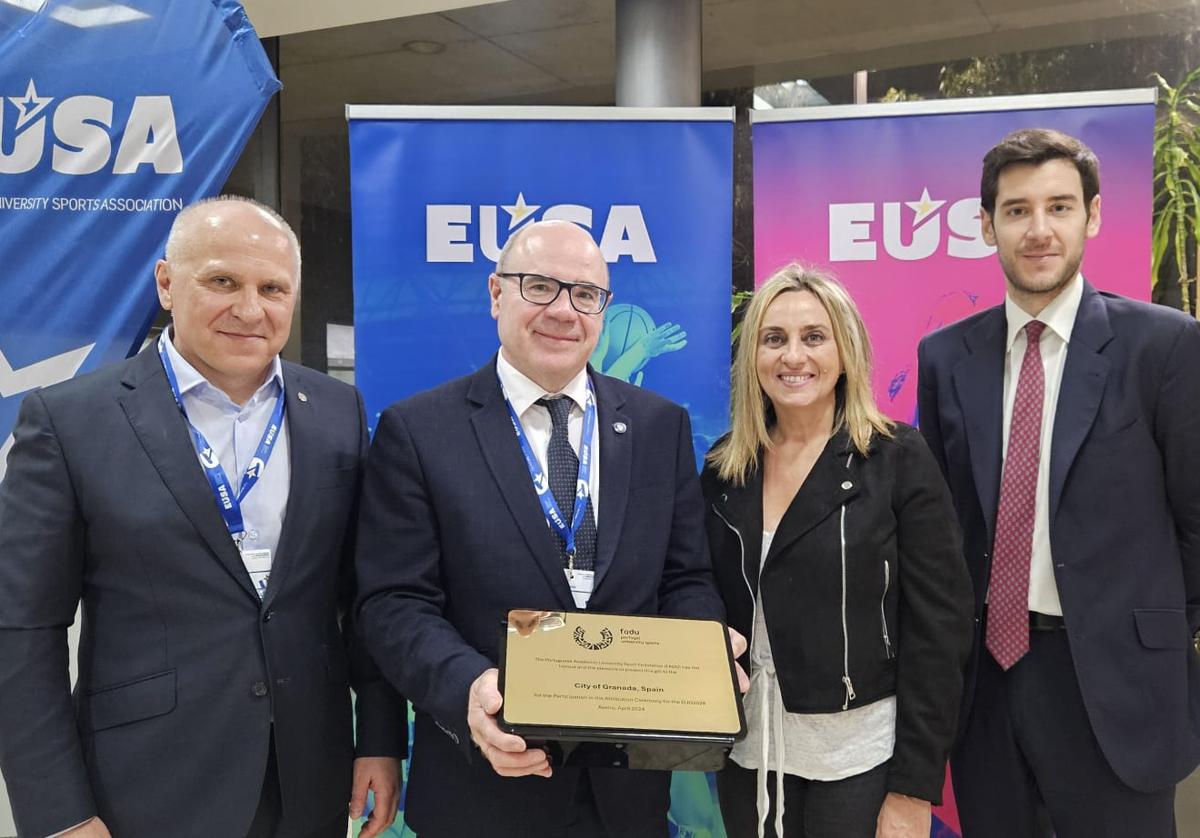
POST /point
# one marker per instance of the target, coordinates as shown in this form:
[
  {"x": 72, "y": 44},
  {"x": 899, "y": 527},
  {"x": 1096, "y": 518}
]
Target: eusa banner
[
  {"x": 436, "y": 192},
  {"x": 112, "y": 118},
  {"x": 886, "y": 197}
]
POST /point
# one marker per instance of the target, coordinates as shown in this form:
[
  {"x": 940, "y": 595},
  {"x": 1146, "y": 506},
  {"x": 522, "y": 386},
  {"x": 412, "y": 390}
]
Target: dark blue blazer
[
  {"x": 451, "y": 536},
  {"x": 182, "y": 670},
  {"x": 1124, "y": 510}
]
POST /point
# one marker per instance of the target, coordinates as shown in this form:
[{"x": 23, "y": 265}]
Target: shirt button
[
  {"x": 259, "y": 688},
  {"x": 253, "y": 535}
]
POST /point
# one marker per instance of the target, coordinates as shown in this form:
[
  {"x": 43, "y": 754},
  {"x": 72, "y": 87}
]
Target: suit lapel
[
  {"x": 616, "y": 464},
  {"x": 1084, "y": 376},
  {"x": 163, "y": 433},
  {"x": 979, "y": 384},
  {"x": 494, "y": 431},
  {"x": 303, "y": 442}
]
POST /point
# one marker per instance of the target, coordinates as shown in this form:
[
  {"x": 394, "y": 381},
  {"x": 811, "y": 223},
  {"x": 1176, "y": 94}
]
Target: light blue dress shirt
[{"x": 234, "y": 433}]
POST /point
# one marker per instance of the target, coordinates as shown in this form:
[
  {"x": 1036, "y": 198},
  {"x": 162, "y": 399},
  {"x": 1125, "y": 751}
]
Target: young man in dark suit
[{"x": 1067, "y": 422}]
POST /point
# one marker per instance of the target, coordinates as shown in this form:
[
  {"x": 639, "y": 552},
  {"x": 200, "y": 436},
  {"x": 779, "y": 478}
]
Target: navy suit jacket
[
  {"x": 451, "y": 536},
  {"x": 1124, "y": 510},
  {"x": 182, "y": 670}
]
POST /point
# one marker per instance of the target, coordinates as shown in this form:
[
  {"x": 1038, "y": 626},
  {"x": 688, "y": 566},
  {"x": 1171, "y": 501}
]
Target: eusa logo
[
  {"x": 606, "y": 639},
  {"x": 856, "y": 230},
  {"x": 208, "y": 458},
  {"x": 453, "y": 231},
  {"x": 80, "y": 133}
]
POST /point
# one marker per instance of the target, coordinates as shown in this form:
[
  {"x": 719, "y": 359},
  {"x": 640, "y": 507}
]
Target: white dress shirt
[
  {"x": 1059, "y": 317},
  {"x": 522, "y": 393}
]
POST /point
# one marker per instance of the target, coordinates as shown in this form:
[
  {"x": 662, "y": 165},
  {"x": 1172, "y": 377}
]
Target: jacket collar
[
  {"x": 979, "y": 385},
  {"x": 155, "y": 418},
  {"x": 833, "y": 481},
  {"x": 493, "y": 428},
  {"x": 1084, "y": 377}
]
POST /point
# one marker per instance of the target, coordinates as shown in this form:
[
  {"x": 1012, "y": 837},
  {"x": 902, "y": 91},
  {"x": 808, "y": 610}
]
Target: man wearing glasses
[{"x": 454, "y": 534}]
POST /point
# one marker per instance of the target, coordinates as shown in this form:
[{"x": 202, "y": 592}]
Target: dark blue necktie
[{"x": 563, "y": 465}]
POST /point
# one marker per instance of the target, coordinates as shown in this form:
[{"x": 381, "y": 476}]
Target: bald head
[
  {"x": 549, "y": 342},
  {"x": 199, "y": 222},
  {"x": 535, "y": 240}
]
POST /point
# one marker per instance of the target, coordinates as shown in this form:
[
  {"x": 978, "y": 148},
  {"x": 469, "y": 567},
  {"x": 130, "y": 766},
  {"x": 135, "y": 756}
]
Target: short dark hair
[{"x": 1036, "y": 146}]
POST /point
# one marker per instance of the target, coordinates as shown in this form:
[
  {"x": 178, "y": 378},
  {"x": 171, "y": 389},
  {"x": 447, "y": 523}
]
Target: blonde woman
[{"x": 835, "y": 546}]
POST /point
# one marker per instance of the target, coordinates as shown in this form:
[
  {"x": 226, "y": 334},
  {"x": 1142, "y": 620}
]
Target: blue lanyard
[
  {"x": 229, "y": 503},
  {"x": 541, "y": 483}
]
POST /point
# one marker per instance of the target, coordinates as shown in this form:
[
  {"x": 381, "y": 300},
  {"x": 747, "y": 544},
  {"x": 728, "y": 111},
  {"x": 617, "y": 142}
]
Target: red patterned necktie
[{"x": 1008, "y": 588}]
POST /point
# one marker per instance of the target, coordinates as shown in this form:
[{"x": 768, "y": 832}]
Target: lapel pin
[
  {"x": 847, "y": 485},
  {"x": 302, "y": 396},
  {"x": 620, "y": 427}
]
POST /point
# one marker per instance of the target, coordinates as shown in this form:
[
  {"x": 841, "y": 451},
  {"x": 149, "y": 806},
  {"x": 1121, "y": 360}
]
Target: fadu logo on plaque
[
  {"x": 452, "y": 231},
  {"x": 606, "y": 639}
]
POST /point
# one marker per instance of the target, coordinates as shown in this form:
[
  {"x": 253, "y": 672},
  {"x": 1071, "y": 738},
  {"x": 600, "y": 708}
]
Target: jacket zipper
[
  {"x": 849, "y": 685},
  {"x": 887, "y": 580},
  {"x": 745, "y": 578},
  {"x": 850, "y": 696}
]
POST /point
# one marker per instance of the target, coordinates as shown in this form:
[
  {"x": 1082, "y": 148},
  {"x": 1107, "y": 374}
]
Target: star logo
[
  {"x": 16, "y": 380},
  {"x": 924, "y": 207},
  {"x": 519, "y": 211},
  {"x": 29, "y": 106}
]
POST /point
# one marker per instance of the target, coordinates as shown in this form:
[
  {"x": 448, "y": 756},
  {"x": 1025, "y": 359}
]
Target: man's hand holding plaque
[{"x": 509, "y": 755}]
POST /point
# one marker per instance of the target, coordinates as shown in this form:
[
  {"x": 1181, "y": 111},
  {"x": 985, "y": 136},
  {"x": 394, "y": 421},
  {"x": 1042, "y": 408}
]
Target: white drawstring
[{"x": 772, "y": 730}]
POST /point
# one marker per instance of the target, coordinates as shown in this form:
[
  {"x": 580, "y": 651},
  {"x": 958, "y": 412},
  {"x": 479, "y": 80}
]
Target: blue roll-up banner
[
  {"x": 437, "y": 191},
  {"x": 113, "y": 117}
]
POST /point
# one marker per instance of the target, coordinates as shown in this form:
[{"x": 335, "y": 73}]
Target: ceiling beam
[{"x": 286, "y": 17}]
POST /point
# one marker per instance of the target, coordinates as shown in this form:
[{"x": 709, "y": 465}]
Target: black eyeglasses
[{"x": 543, "y": 290}]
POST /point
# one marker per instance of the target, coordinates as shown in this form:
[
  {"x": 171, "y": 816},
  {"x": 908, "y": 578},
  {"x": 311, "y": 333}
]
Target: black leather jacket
[{"x": 865, "y": 591}]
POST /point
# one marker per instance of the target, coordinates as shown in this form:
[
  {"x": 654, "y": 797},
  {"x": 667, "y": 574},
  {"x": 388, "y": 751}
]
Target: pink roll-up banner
[{"x": 886, "y": 197}]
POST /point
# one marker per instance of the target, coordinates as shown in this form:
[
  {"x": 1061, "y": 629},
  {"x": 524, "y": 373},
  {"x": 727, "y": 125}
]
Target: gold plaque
[{"x": 628, "y": 681}]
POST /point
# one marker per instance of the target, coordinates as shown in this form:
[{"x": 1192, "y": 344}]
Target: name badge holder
[
  {"x": 229, "y": 502},
  {"x": 580, "y": 581}
]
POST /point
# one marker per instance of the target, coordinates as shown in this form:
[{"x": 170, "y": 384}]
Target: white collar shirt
[
  {"x": 522, "y": 393},
  {"x": 1059, "y": 317},
  {"x": 234, "y": 433}
]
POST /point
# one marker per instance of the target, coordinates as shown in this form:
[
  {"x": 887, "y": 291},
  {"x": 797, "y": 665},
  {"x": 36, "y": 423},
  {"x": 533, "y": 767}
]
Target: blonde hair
[{"x": 751, "y": 414}]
